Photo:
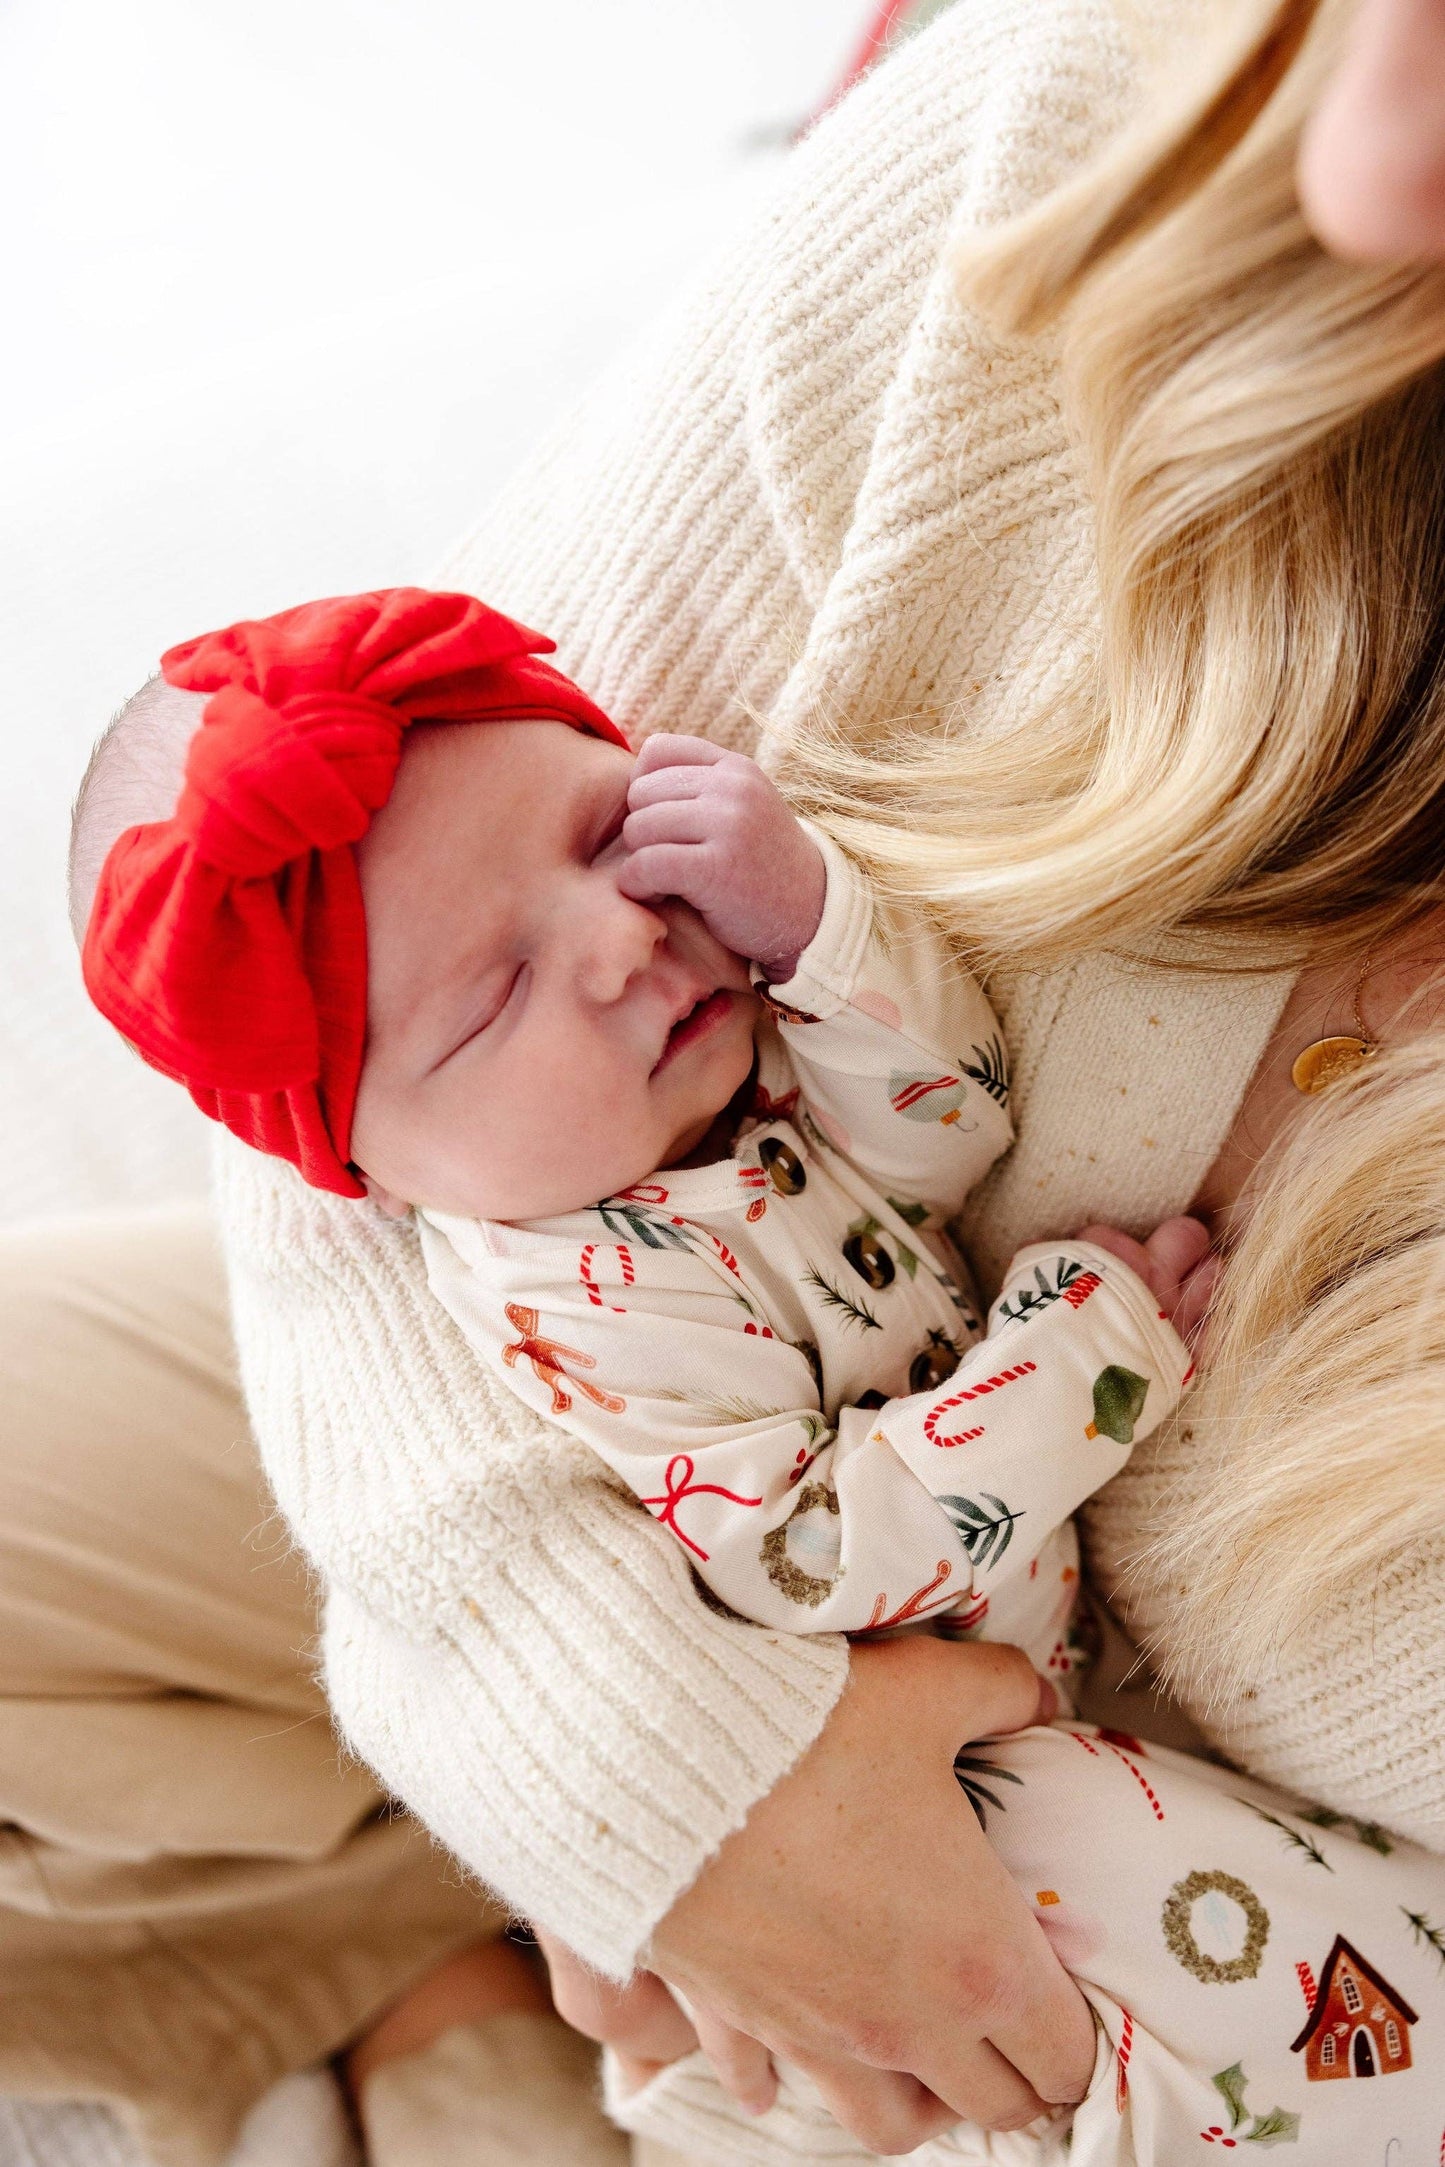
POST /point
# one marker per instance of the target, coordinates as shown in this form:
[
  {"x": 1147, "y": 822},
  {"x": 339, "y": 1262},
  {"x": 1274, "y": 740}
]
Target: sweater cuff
[
  {"x": 585, "y": 1744},
  {"x": 827, "y": 971}
]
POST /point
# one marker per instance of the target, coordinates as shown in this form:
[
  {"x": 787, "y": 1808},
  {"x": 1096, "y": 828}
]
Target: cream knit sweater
[{"x": 818, "y": 479}]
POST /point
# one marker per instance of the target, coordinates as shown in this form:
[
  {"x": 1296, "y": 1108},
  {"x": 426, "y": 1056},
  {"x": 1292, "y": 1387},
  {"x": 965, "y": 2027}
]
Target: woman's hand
[
  {"x": 646, "y": 2029},
  {"x": 860, "y": 1926}
]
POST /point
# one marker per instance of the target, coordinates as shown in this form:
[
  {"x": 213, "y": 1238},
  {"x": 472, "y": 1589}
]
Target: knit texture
[{"x": 819, "y": 480}]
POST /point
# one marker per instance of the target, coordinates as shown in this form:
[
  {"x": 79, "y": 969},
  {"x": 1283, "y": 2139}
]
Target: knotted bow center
[{"x": 265, "y": 784}]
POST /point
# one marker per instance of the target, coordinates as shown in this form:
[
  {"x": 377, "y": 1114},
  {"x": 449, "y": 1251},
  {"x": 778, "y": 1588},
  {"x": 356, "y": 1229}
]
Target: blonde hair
[
  {"x": 1256, "y": 750},
  {"x": 1260, "y": 734}
]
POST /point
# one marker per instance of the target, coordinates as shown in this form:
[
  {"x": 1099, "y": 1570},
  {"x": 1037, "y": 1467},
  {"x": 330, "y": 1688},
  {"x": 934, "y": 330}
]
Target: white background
[{"x": 287, "y": 287}]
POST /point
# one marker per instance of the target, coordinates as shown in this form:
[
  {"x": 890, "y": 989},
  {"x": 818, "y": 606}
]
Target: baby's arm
[
  {"x": 659, "y": 1359},
  {"x": 898, "y": 1052},
  {"x": 1080, "y": 1363}
]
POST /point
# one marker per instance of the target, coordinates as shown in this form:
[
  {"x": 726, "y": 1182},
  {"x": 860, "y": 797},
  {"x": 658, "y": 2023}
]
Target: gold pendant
[{"x": 1327, "y": 1060}]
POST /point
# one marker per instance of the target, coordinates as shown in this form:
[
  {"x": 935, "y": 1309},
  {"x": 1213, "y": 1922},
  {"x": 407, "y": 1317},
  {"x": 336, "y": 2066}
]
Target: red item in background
[
  {"x": 228, "y": 943},
  {"x": 889, "y": 23}
]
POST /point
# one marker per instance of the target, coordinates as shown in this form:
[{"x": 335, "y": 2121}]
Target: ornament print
[
  {"x": 927, "y": 1098},
  {"x": 1119, "y": 1396},
  {"x": 935, "y": 1364}
]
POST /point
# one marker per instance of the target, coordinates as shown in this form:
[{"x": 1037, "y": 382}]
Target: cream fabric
[
  {"x": 519, "y": 2090},
  {"x": 1239, "y": 1961},
  {"x": 196, "y": 1894},
  {"x": 820, "y": 481}
]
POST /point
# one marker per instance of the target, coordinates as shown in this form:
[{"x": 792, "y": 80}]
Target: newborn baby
[
  {"x": 703, "y": 1226},
  {"x": 685, "y": 1110}
]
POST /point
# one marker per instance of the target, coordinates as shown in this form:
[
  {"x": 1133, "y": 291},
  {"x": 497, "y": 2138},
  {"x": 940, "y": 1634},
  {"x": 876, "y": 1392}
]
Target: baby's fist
[
  {"x": 1176, "y": 1264},
  {"x": 708, "y": 826}
]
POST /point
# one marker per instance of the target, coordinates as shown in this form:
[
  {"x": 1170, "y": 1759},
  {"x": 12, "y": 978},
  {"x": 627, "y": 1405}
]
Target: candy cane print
[{"x": 990, "y": 1384}]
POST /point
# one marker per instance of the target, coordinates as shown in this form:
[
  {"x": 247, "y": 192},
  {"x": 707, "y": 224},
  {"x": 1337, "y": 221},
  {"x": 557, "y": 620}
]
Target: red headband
[{"x": 228, "y": 943}]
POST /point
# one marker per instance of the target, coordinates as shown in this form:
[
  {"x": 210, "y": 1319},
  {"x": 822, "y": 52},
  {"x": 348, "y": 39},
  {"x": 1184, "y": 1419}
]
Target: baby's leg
[{"x": 1254, "y": 1971}]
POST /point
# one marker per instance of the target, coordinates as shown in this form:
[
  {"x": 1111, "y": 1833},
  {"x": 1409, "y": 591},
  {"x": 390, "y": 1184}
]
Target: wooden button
[
  {"x": 869, "y": 1259},
  {"x": 785, "y": 1169}
]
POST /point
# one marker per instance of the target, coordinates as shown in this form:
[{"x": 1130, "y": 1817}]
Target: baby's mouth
[{"x": 704, "y": 1016}]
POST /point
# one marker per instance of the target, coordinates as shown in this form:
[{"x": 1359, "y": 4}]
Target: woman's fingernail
[{"x": 1048, "y": 1702}]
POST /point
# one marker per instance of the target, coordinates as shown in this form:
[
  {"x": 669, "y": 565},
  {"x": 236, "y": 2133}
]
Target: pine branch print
[
  {"x": 739, "y": 1411},
  {"x": 834, "y": 1298},
  {"x": 1369, "y": 1833},
  {"x": 968, "y": 1768},
  {"x": 984, "y": 1535},
  {"x": 1426, "y": 1935},
  {"x": 1029, "y": 1301},
  {"x": 647, "y": 1227},
  {"x": 1292, "y": 1836},
  {"x": 989, "y": 1069}
]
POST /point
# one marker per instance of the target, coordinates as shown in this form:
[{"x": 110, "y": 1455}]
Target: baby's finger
[
  {"x": 1178, "y": 1246},
  {"x": 664, "y": 750},
  {"x": 669, "y": 782},
  {"x": 679, "y": 869},
  {"x": 1195, "y": 1298},
  {"x": 743, "y": 2066},
  {"x": 1120, "y": 1245},
  {"x": 676, "y": 820}
]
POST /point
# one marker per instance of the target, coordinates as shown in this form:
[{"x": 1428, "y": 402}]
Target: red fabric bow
[{"x": 228, "y": 943}]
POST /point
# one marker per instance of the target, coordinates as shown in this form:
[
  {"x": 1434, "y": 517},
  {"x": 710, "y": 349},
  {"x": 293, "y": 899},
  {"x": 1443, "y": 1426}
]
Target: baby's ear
[{"x": 386, "y": 1200}]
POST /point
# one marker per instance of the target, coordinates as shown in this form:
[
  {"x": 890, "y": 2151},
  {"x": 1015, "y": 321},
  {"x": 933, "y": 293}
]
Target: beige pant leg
[{"x": 195, "y": 1896}]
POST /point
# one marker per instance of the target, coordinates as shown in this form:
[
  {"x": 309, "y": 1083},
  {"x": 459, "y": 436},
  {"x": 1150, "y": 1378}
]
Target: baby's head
[{"x": 533, "y": 1039}]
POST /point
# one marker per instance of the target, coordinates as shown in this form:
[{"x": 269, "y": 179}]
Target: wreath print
[
  {"x": 788, "y": 1578},
  {"x": 1179, "y": 1933}
]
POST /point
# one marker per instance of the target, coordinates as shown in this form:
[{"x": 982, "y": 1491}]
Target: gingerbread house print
[{"x": 1358, "y": 2025}]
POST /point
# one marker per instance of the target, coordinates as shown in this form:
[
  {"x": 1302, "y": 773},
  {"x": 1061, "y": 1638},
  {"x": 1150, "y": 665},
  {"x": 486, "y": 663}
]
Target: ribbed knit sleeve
[
  {"x": 818, "y": 486},
  {"x": 515, "y": 1646},
  {"x": 509, "y": 1640}
]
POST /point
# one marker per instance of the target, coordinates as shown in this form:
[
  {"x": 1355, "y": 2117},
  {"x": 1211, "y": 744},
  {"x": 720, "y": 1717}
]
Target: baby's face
[{"x": 535, "y": 1040}]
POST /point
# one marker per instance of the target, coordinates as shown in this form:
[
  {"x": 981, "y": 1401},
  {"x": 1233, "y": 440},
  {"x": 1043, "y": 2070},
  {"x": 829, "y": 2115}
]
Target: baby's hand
[
  {"x": 708, "y": 826},
  {"x": 1176, "y": 1264}
]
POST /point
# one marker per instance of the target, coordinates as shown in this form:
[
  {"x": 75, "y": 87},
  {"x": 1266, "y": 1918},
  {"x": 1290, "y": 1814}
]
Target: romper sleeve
[
  {"x": 1078, "y": 1366},
  {"x": 516, "y": 1649},
  {"x": 898, "y": 1054}
]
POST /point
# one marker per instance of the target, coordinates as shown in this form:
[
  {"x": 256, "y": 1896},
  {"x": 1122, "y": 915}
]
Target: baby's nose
[{"x": 620, "y": 937}]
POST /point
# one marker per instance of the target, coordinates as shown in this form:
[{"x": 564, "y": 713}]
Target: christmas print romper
[
  {"x": 781, "y": 1356},
  {"x": 779, "y": 1353}
]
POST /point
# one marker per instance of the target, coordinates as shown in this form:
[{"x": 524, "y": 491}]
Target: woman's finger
[
  {"x": 1018, "y": 2037},
  {"x": 742, "y": 2064},
  {"x": 1000, "y": 1691},
  {"x": 887, "y": 2112},
  {"x": 641, "y": 2019}
]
